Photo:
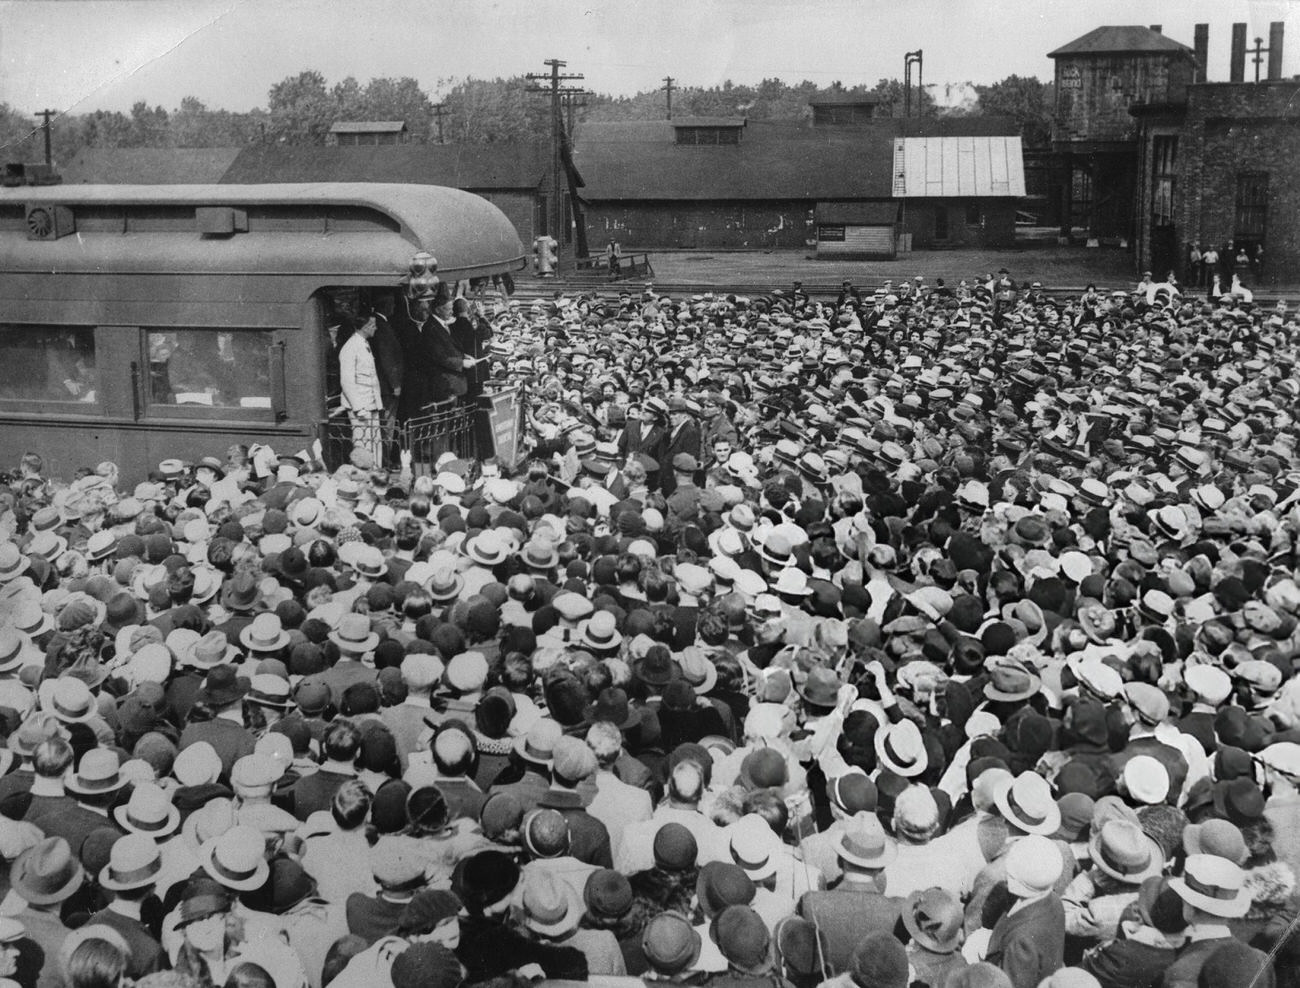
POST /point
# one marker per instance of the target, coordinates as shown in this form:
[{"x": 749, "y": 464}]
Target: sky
[{"x": 84, "y": 55}]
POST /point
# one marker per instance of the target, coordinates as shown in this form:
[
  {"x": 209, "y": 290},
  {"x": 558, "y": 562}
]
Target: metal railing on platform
[{"x": 447, "y": 426}]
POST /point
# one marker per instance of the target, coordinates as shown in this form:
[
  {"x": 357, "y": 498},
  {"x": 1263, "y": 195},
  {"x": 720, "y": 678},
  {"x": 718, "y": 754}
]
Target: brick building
[
  {"x": 1221, "y": 167},
  {"x": 1098, "y": 77}
]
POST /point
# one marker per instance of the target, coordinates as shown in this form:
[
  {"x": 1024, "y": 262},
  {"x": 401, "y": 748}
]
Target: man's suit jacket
[
  {"x": 469, "y": 336},
  {"x": 1030, "y": 944},
  {"x": 845, "y": 916},
  {"x": 430, "y": 360},
  {"x": 683, "y": 440},
  {"x": 231, "y": 741},
  {"x": 74, "y": 825}
]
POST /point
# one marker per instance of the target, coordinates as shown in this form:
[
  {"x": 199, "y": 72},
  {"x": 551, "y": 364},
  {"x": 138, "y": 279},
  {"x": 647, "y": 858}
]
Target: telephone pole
[
  {"x": 49, "y": 154},
  {"x": 668, "y": 89},
  {"x": 437, "y": 112},
  {"x": 552, "y": 82}
]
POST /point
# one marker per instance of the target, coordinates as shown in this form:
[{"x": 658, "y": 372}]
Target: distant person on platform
[{"x": 471, "y": 334}]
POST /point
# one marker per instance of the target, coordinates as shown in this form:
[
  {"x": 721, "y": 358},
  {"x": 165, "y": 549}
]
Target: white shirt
[{"x": 358, "y": 376}]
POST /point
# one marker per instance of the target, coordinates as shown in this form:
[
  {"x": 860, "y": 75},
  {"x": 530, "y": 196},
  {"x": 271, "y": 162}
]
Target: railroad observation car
[{"x": 139, "y": 323}]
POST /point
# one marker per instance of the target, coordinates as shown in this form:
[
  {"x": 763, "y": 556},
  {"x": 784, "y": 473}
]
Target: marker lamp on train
[{"x": 422, "y": 280}]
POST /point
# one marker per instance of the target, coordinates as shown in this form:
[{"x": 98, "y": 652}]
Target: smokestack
[
  {"x": 1201, "y": 49},
  {"x": 1155, "y": 28},
  {"x": 1237, "y": 60},
  {"x": 1275, "y": 51}
]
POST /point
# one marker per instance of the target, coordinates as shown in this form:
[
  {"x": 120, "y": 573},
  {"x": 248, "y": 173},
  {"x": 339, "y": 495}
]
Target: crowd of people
[{"x": 939, "y": 635}]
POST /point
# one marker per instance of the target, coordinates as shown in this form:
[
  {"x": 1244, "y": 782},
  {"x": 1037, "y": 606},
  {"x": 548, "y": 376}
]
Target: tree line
[{"x": 301, "y": 108}]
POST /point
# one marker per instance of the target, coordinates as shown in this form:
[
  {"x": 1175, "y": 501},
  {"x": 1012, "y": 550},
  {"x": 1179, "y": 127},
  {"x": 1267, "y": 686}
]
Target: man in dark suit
[
  {"x": 1028, "y": 941},
  {"x": 683, "y": 437},
  {"x": 471, "y": 333},
  {"x": 857, "y": 904},
  {"x": 96, "y": 783},
  {"x": 642, "y": 436},
  {"x": 433, "y": 367},
  {"x": 222, "y": 692},
  {"x": 316, "y": 791}
]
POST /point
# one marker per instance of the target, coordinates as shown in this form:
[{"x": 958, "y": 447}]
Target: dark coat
[
  {"x": 231, "y": 741},
  {"x": 488, "y": 948},
  {"x": 372, "y": 917},
  {"x": 588, "y": 837},
  {"x": 1185, "y": 971},
  {"x": 146, "y": 952},
  {"x": 846, "y": 915},
  {"x": 683, "y": 440},
  {"x": 1127, "y": 963},
  {"x": 431, "y": 361},
  {"x": 74, "y": 825},
  {"x": 1030, "y": 944},
  {"x": 471, "y": 337}
]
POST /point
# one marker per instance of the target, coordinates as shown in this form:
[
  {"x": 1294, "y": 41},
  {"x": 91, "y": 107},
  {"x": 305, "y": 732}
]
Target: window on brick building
[
  {"x": 1164, "y": 154},
  {"x": 1252, "y": 207}
]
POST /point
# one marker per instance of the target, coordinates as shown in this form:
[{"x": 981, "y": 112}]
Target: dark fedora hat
[
  {"x": 223, "y": 685},
  {"x": 612, "y": 705}
]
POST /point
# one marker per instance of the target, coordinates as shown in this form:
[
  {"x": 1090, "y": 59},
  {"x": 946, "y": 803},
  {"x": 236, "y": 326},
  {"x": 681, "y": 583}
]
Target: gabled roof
[
  {"x": 841, "y": 98},
  {"x": 147, "y": 166},
  {"x": 368, "y": 126},
  {"x": 777, "y": 160},
  {"x": 1117, "y": 39},
  {"x": 457, "y": 166},
  {"x": 707, "y": 121}
]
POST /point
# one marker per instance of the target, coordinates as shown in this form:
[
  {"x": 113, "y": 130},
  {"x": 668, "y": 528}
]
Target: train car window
[
  {"x": 47, "y": 364},
  {"x": 209, "y": 368}
]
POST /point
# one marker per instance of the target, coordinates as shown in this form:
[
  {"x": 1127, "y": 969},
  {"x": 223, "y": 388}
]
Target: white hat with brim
[
  {"x": 1213, "y": 885},
  {"x": 901, "y": 749},
  {"x": 1123, "y": 851},
  {"x": 553, "y": 919},
  {"x": 244, "y": 867},
  {"x": 1034, "y": 812},
  {"x": 866, "y": 849}
]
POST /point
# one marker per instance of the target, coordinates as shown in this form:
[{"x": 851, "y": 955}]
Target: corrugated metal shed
[
  {"x": 1119, "y": 38},
  {"x": 147, "y": 166},
  {"x": 967, "y": 167}
]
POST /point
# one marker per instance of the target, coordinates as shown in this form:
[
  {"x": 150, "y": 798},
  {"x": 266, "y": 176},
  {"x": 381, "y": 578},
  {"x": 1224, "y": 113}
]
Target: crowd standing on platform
[{"x": 942, "y": 636}]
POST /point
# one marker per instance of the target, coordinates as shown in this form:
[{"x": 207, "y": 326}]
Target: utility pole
[
  {"x": 668, "y": 88},
  {"x": 437, "y": 112},
  {"x": 1258, "y": 53},
  {"x": 49, "y": 154},
  {"x": 553, "y": 80},
  {"x": 910, "y": 59}
]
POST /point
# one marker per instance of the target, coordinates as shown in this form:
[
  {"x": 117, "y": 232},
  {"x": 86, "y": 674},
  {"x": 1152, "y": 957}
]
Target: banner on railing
[{"x": 501, "y": 425}]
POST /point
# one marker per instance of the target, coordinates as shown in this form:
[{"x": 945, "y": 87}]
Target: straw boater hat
[
  {"x": 1028, "y": 805},
  {"x": 901, "y": 749},
  {"x": 1214, "y": 885},
  {"x": 148, "y": 812},
  {"x": 236, "y": 859}
]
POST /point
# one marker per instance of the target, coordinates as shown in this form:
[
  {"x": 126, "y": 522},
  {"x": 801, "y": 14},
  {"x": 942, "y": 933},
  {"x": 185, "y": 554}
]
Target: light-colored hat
[
  {"x": 1033, "y": 866},
  {"x": 236, "y": 859},
  {"x": 148, "y": 812},
  {"x": 901, "y": 749},
  {"x": 1027, "y": 804},
  {"x": 1214, "y": 885},
  {"x": 134, "y": 862}
]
